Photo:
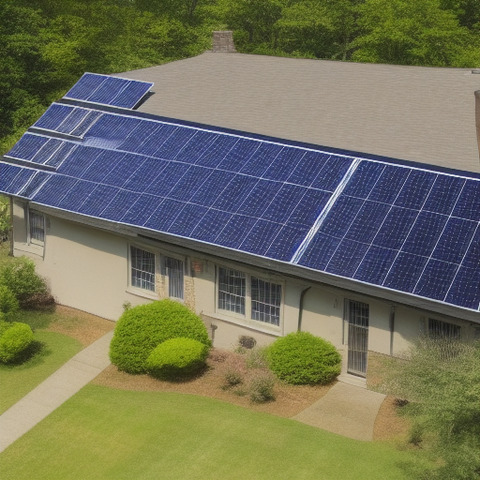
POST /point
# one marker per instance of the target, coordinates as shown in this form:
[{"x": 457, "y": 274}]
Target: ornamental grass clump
[
  {"x": 177, "y": 359},
  {"x": 140, "y": 329},
  {"x": 15, "y": 339},
  {"x": 302, "y": 359}
]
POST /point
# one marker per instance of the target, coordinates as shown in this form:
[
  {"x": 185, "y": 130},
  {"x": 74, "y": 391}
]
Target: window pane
[
  {"x": 174, "y": 272},
  {"x": 266, "y": 300},
  {"x": 36, "y": 225},
  {"x": 231, "y": 290},
  {"x": 143, "y": 269}
]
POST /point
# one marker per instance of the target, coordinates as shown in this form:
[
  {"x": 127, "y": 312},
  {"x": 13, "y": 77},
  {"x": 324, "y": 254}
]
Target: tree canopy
[{"x": 47, "y": 44}]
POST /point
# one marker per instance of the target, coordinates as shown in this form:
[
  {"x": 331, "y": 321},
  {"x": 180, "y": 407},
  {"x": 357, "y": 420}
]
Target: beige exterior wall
[{"x": 89, "y": 269}]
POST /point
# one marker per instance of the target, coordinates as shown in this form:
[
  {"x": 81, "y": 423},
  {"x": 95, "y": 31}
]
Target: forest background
[{"x": 46, "y": 45}]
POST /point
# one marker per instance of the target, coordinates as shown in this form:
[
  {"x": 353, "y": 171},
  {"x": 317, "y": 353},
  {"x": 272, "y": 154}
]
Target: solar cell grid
[
  {"x": 444, "y": 194},
  {"x": 464, "y": 290},
  {"x": 415, "y": 189},
  {"x": 197, "y": 145},
  {"x": 261, "y": 237},
  {"x": 468, "y": 204},
  {"x": 404, "y": 272},
  {"x": 35, "y": 182},
  {"x": 256, "y": 196},
  {"x": 187, "y": 220},
  {"x": 389, "y": 184},
  {"x": 436, "y": 279},
  {"x": 285, "y": 200},
  {"x": 284, "y": 164},
  {"x": 346, "y": 258},
  {"x": 375, "y": 265},
  {"x": 364, "y": 179},
  {"x": 210, "y": 225},
  {"x": 454, "y": 240},
  {"x": 107, "y": 91},
  {"x": 53, "y": 117},
  {"x": 131, "y": 95},
  {"x": 27, "y": 147}
]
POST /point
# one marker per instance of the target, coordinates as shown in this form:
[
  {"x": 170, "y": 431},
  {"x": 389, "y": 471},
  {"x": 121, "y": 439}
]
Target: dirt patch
[
  {"x": 84, "y": 327},
  {"x": 389, "y": 424}
]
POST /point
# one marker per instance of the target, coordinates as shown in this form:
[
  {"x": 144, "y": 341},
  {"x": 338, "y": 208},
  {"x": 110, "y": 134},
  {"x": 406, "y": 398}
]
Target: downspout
[
  {"x": 10, "y": 233},
  {"x": 300, "y": 308},
  {"x": 392, "y": 328}
]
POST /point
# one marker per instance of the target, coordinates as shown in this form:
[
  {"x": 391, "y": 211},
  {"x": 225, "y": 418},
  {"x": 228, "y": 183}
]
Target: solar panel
[
  {"x": 106, "y": 90},
  {"x": 407, "y": 229}
]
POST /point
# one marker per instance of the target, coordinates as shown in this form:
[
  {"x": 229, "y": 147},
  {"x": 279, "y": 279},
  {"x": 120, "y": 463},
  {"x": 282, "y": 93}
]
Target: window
[
  {"x": 439, "y": 329},
  {"x": 240, "y": 293},
  {"x": 36, "y": 227},
  {"x": 266, "y": 300},
  {"x": 231, "y": 290},
  {"x": 173, "y": 270},
  {"x": 142, "y": 269}
]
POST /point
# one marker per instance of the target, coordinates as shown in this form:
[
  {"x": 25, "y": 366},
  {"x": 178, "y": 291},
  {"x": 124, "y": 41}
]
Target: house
[{"x": 206, "y": 181}]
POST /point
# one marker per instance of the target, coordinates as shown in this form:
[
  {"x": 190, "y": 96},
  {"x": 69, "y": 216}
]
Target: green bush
[
  {"x": 8, "y": 302},
  {"x": 301, "y": 358},
  {"x": 140, "y": 329},
  {"x": 14, "y": 340},
  {"x": 20, "y": 277},
  {"x": 177, "y": 358}
]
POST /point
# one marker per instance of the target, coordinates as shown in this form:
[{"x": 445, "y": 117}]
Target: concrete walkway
[
  {"x": 348, "y": 410},
  {"x": 55, "y": 390}
]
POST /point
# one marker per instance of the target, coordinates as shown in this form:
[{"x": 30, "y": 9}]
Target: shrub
[
  {"x": 140, "y": 329},
  {"x": 301, "y": 358},
  {"x": 14, "y": 340},
  {"x": 232, "y": 378},
  {"x": 177, "y": 358},
  {"x": 20, "y": 277},
  {"x": 256, "y": 358},
  {"x": 8, "y": 302},
  {"x": 261, "y": 388}
]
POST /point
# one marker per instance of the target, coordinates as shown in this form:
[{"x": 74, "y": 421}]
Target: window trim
[
  {"x": 443, "y": 329},
  {"x": 136, "y": 288},
  {"x": 32, "y": 239},
  {"x": 246, "y": 319}
]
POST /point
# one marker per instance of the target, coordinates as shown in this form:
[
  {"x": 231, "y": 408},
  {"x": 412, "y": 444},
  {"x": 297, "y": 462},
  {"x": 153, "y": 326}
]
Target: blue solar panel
[
  {"x": 436, "y": 279},
  {"x": 187, "y": 219},
  {"x": 406, "y": 229},
  {"x": 415, "y": 189},
  {"x": 368, "y": 221},
  {"x": 105, "y": 90},
  {"x": 364, "y": 179},
  {"x": 405, "y": 272},
  {"x": 468, "y": 205},
  {"x": 261, "y": 237},
  {"x": 464, "y": 290},
  {"x": 389, "y": 184},
  {"x": 425, "y": 234},
  {"x": 375, "y": 265},
  {"x": 454, "y": 240}
]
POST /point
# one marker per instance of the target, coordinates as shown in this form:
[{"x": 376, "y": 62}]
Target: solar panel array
[
  {"x": 406, "y": 229},
  {"x": 106, "y": 90}
]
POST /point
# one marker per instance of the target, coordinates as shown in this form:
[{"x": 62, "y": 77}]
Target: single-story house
[{"x": 206, "y": 181}]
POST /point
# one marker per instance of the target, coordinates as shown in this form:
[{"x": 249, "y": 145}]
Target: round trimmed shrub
[
  {"x": 14, "y": 340},
  {"x": 140, "y": 329},
  {"x": 301, "y": 358},
  {"x": 8, "y": 302},
  {"x": 177, "y": 358}
]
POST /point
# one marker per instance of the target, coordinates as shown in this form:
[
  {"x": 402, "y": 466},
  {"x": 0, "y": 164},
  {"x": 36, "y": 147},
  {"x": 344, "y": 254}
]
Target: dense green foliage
[
  {"x": 18, "y": 274},
  {"x": 301, "y": 358},
  {"x": 140, "y": 329},
  {"x": 8, "y": 302},
  {"x": 46, "y": 45},
  {"x": 4, "y": 218},
  {"x": 177, "y": 358},
  {"x": 15, "y": 338},
  {"x": 441, "y": 380}
]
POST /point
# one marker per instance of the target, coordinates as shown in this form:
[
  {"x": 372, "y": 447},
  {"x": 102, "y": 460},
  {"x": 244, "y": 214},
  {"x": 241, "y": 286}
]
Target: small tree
[
  {"x": 4, "y": 218},
  {"x": 441, "y": 380}
]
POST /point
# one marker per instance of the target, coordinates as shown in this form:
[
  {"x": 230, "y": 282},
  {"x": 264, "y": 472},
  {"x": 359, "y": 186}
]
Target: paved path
[
  {"x": 348, "y": 410},
  {"x": 56, "y": 389}
]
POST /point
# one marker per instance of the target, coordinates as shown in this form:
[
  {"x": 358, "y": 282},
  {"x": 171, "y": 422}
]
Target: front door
[{"x": 357, "y": 316}]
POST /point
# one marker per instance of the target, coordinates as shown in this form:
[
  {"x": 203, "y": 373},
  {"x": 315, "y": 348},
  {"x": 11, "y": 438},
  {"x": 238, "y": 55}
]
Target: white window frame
[
  {"x": 250, "y": 312},
  {"x": 174, "y": 277},
  {"x": 35, "y": 227},
  {"x": 146, "y": 284}
]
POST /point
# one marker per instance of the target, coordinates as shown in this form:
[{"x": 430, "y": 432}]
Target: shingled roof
[{"x": 404, "y": 231}]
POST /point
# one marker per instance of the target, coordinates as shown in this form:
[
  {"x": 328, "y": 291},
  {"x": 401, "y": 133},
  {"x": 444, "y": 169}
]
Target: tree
[
  {"x": 412, "y": 33},
  {"x": 441, "y": 380}
]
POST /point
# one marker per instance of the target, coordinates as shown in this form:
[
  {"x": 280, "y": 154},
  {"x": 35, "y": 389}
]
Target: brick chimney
[{"x": 223, "y": 42}]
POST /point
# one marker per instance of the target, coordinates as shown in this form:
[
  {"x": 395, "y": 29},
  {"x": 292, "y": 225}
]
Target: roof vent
[{"x": 223, "y": 42}]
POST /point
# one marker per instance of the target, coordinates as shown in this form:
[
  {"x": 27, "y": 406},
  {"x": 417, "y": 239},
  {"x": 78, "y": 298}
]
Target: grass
[
  {"x": 103, "y": 433},
  {"x": 17, "y": 380}
]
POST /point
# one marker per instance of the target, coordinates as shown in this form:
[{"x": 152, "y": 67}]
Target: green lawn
[
  {"x": 18, "y": 380},
  {"x": 104, "y": 434}
]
